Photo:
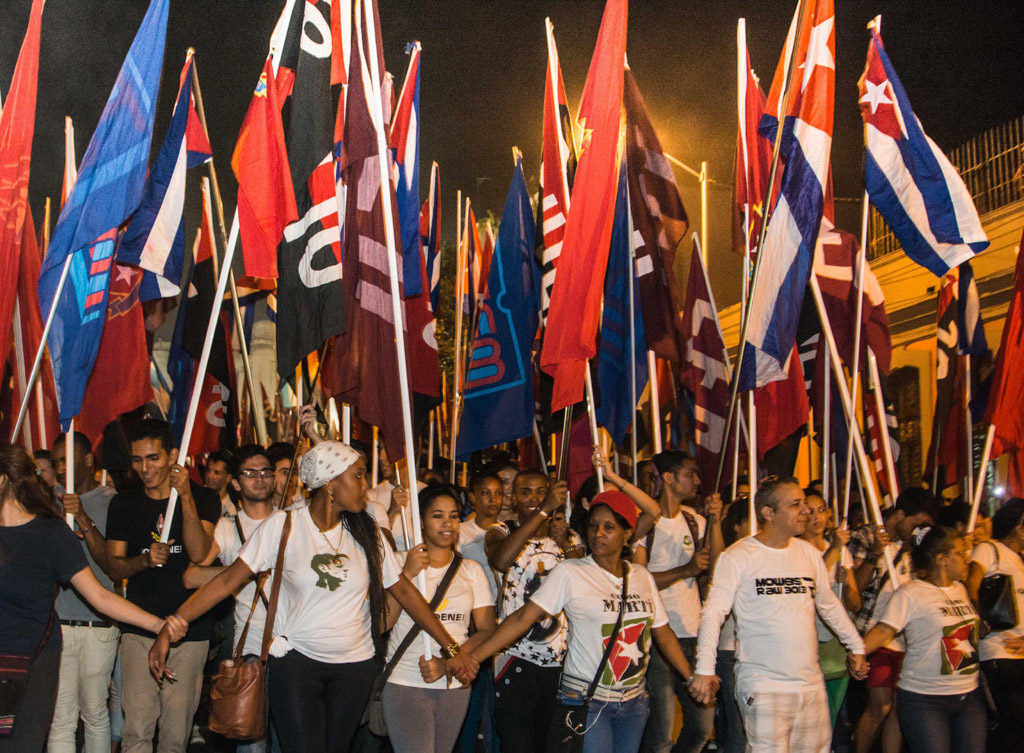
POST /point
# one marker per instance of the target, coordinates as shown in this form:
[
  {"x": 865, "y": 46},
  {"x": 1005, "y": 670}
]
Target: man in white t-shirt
[
  {"x": 253, "y": 478},
  {"x": 774, "y": 583},
  {"x": 674, "y": 555}
]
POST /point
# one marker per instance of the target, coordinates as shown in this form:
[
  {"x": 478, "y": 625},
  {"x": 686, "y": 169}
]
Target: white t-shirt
[
  {"x": 472, "y": 545},
  {"x": 674, "y": 546},
  {"x": 226, "y": 536},
  {"x": 378, "y": 501},
  {"x": 903, "y": 575},
  {"x": 774, "y": 594},
  {"x": 1007, "y": 563},
  {"x": 941, "y": 630},
  {"x": 845, "y": 560},
  {"x": 468, "y": 591},
  {"x": 590, "y": 597},
  {"x": 544, "y": 643},
  {"x": 323, "y": 609}
]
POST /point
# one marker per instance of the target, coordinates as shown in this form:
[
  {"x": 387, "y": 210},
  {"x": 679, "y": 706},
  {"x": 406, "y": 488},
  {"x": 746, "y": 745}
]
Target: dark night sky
[{"x": 482, "y": 80}]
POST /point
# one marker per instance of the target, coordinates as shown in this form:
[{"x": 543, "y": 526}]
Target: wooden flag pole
[
  {"x": 563, "y": 456},
  {"x": 200, "y": 372},
  {"x": 40, "y": 403},
  {"x": 459, "y": 294},
  {"x": 69, "y": 468},
  {"x": 377, "y": 114},
  {"x": 255, "y": 403},
  {"x": 979, "y": 485},
  {"x": 430, "y": 441},
  {"x": 857, "y": 328},
  {"x": 826, "y": 440},
  {"x": 652, "y": 367},
  {"x": 745, "y": 321}
]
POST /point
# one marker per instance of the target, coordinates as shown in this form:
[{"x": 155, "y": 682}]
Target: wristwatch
[{"x": 450, "y": 651}]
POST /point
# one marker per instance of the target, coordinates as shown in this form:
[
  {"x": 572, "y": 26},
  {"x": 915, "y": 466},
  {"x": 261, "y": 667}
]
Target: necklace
[{"x": 341, "y": 533}]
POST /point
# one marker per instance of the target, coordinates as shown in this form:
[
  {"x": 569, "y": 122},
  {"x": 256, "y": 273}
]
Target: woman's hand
[
  {"x": 416, "y": 561},
  {"x": 158, "y": 656},
  {"x": 307, "y": 422},
  {"x": 433, "y": 669},
  {"x": 399, "y": 500},
  {"x": 840, "y": 538},
  {"x": 463, "y": 667},
  {"x": 177, "y": 626}
]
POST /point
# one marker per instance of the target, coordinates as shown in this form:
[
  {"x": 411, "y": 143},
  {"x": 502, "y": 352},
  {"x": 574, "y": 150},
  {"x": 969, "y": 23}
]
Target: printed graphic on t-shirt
[
  {"x": 627, "y": 662},
  {"x": 545, "y": 642},
  {"x": 959, "y": 648},
  {"x": 331, "y": 570},
  {"x": 787, "y": 584}
]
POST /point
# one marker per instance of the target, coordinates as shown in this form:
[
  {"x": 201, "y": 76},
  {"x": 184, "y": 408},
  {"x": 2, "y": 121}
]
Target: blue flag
[
  {"x": 970, "y": 330},
  {"x": 498, "y": 397},
  {"x": 405, "y": 145},
  {"x": 108, "y": 189},
  {"x": 614, "y": 411}
]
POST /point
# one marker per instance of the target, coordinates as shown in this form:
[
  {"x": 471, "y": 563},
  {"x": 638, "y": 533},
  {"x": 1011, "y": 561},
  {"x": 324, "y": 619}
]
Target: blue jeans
[
  {"x": 729, "y": 724},
  {"x": 614, "y": 726},
  {"x": 943, "y": 723},
  {"x": 665, "y": 687},
  {"x": 481, "y": 712}
]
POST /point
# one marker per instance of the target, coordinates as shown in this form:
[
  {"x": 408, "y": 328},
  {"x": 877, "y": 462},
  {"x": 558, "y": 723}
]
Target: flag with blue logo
[
  {"x": 615, "y": 409},
  {"x": 107, "y": 191},
  {"x": 405, "y": 145},
  {"x": 792, "y": 234},
  {"x": 155, "y": 239},
  {"x": 910, "y": 181},
  {"x": 498, "y": 398}
]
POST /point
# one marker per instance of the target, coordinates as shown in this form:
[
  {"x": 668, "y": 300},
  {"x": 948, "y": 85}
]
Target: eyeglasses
[{"x": 257, "y": 473}]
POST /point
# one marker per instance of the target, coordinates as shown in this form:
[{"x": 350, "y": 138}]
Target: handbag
[
  {"x": 374, "y": 714},
  {"x": 569, "y": 723},
  {"x": 14, "y": 675},
  {"x": 238, "y": 695},
  {"x": 997, "y": 599}
]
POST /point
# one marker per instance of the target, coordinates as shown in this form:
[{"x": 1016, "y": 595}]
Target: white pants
[
  {"x": 796, "y": 722},
  {"x": 86, "y": 662}
]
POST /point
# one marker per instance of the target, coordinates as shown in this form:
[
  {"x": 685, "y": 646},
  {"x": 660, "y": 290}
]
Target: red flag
[
  {"x": 576, "y": 297},
  {"x": 266, "y": 197},
  {"x": 659, "y": 224},
  {"x": 471, "y": 253},
  {"x": 486, "y": 253},
  {"x": 1004, "y": 409},
  {"x": 120, "y": 379},
  {"x": 753, "y": 153},
  {"x": 17, "y": 124},
  {"x": 782, "y": 407}
]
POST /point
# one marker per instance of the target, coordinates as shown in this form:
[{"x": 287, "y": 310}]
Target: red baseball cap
[{"x": 619, "y": 502}]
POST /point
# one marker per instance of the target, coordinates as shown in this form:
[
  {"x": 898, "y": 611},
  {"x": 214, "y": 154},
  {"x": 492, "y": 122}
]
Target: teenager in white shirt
[
  {"x": 1002, "y": 651},
  {"x": 774, "y": 583},
  {"x": 823, "y": 534},
  {"x": 332, "y": 606},
  {"x": 423, "y": 711},
  {"x": 940, "y": 706},
  {"x": 589, "y": 592}
]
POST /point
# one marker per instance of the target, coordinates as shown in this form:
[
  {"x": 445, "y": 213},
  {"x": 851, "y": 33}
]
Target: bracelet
[
  {"x": 450, "y": 651},
  {"x": 542, "y": 513},
  {"x": 84, "y": 531}
]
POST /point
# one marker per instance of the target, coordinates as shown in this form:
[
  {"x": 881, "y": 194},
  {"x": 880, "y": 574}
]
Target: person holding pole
[
  {"x": 914, "y": 508},
  {"x": 154, "y": 572},
  {"x": 682, "y": 546},
  {"x": 422, "y": 710},
  {"x": 774, "y": 583},
  {"x": 331, "y": 612}
]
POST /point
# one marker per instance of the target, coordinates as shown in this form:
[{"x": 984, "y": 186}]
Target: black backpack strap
[{"x": 241, "y": 540}]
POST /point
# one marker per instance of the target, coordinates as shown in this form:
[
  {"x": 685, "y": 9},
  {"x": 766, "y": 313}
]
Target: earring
[{"x": 330, "y": 496}]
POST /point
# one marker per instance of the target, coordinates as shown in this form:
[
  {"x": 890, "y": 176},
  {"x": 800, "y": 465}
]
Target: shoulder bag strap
[
  {"x": 615, "y": 632},
  {"x": 259, "y": 588},
  {"x": 439, "y": 593},
  {"x": 691, "y": 523},
  {"x": 995, "y": 549},
  {"x": 275, "y": 590}
]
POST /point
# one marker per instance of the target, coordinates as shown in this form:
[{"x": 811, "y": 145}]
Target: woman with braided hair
[{"x": 327, "y": 641}]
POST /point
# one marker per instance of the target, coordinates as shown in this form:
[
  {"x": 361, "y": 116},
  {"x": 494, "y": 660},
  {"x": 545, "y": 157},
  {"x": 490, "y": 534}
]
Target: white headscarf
[{"x": 324, "y": 462}]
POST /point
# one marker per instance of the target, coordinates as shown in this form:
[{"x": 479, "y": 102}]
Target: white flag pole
[
  {"x": 346, "y": 423},
  {"x": 377, "y": 115},
  {"x": 979, "y": 485},
  {"x": 857, "y": 327},
  {"x": 19, "y": 361},
  {"x": 200, "y": 373},
  {"x": 883, "y": 426},
  {"x": 69, "y": 468},
  {"x": 968, "y": 429},
  {"x": 592, "y": 415}
]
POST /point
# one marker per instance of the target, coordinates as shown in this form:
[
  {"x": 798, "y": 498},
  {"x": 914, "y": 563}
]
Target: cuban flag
[
  {"x": 792, "y": 234},
  {"x": 970, "y": 331},
  {"x": 430, "y": 235},
  {"x": 910, "y": 181},
  {"x": 405, "y": 146},
  {"x": 108, "y": 190},
  {"x": 155, "y": 239}
]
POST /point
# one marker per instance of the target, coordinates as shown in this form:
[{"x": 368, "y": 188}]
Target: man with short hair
[
  {"x": 280, "y": 455},
  {"x": 774, "y": 582},
  {"x": 90, "y": 639},
  {"x": 914, "y": 508},
  {"x": 674, "y": 554},
  {"x": 525, "y": 550},
  {"x": 217, "y": 476},
  {"x": 154, "y": 572}
]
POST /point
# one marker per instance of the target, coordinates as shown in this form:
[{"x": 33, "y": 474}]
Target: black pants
[
  {"x": 1006, "y": 683},
  {"x": 523, "y": 705},
  {"x": 317, "y": 706},
  {"x": 32, "y": 724}
]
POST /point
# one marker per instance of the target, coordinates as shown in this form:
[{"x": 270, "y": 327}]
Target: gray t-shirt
[{"x": 71, "y": 606}]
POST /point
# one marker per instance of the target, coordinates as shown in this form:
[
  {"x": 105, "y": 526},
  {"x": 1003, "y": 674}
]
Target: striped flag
[
  {"x": 970, "y": 330},
  {"x": 405, "y": 147},
  {"x": 557, "y": 171},
  {"x": 430, "y": 235},
  {"x": 876, "y": 383},
  {"x": 910, "y": 181},
  {"x": 792, "y": 233}
]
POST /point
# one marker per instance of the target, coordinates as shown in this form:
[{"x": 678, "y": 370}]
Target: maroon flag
[
  {"x": 947, "y": 425},
  {"x": 659, "y": 224},
  {"x": 17, "y": 124},
  {"x": 1004, "y": 408},
  {"x": 364, "y": 365},
  {"x": 706, "y": 375},
  {"x": 885, "y": 465}
]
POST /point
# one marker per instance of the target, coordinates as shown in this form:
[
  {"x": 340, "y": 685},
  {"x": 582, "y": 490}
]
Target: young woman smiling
[
  {"x": 327, "y": 630},
  {"x": 422, "y": 712},
  {"x": 589, "y": 591}
]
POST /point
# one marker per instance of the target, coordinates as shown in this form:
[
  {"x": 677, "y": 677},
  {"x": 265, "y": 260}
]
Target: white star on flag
[
  {"x": 818, "y": 52},
  {"x": 875, "y": 94}
]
